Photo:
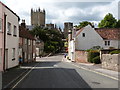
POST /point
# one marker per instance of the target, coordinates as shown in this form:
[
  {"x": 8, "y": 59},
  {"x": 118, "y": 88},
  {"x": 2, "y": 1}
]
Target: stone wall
[
  {"x": 111, "y": 61},
  {"x": 81, "y": 56}
]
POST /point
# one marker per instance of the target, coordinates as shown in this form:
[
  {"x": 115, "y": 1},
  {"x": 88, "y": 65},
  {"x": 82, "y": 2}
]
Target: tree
[
  {"x": 108, "y": 22},
  {"x": 83, "y": 24},
  {"x": 118, "y": 24},
  {"x": 52, "y": 38}
]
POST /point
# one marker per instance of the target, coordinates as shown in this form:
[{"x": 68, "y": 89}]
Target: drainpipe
[{"x": 4, "y": 68}]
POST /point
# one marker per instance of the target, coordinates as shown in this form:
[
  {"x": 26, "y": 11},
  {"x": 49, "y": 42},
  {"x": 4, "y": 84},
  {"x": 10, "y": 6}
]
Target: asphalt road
[{"x": 51, "y": 72}]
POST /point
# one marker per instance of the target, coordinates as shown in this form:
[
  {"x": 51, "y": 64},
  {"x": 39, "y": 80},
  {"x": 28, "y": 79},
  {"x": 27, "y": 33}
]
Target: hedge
[
  {"x": 91, "y": 55},
  {"x": 96, "y": 60},
  {"x": 115, "y": 52}
]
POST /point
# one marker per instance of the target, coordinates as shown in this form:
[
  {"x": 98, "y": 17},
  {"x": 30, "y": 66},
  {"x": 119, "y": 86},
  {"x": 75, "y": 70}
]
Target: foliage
[
  {"x": 96, "y": 60},
  {"x": 108, "y": 22},
  {"x": 118, "y": 24},
  {"x": 115, "y": 52},
  {"x": 96, "y": 48},
  {"x": 92, "y": 54},
  {"x": 51, "y": 37},
  {"x": 83, "y": 24}
]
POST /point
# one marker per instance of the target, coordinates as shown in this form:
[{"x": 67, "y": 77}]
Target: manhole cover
[{"x": 95, "y": 82}]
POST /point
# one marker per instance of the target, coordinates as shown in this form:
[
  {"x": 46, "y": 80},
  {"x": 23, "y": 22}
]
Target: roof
[
  {"x": 79, "y": 31},
  {"x": 24, "y": 33},
  {"x": 109, "y": 33},
  {"x": 105, "y": 33},
  {"x": 10, "y": 10}
]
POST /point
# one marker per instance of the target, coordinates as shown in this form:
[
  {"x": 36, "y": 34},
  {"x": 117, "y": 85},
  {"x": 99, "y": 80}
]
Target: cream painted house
[
  {"x": 9, "y": 36},
  {"x": 88, "y": 37}
]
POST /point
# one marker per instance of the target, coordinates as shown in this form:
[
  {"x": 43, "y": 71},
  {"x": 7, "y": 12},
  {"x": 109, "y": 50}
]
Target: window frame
[
  {"x": 15, "y": 30},
  {"x": 1, "y": 24},
  {"x": 83, "y": 34},
  {"x": 13, "y": 54},
  {"x": 8, "y": 28}
]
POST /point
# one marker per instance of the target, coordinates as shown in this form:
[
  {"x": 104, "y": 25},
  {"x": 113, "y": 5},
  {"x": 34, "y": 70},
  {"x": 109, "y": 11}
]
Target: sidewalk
[
  {"x": 12, "y": 75},
  {"x": 95, "y": 67}
]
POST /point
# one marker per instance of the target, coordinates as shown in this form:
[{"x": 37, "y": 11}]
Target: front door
[{"x": 6, "y": 58}]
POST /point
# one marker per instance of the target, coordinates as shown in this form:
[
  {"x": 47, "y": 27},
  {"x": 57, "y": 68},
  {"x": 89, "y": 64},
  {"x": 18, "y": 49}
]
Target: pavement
[
  {"x": 95, "y": 67},
  {"x": 10, "y": 76}
]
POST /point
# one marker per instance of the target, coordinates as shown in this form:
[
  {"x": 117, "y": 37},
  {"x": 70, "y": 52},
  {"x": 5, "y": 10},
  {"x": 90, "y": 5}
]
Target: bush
[
  {"x": 96, "y": 60},
  {"x": 115, "y": 52},
  {"x": 92, "y": 54}
]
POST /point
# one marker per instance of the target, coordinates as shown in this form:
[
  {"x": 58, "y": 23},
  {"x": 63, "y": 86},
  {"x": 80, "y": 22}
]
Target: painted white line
[
  {"x": 96, "y": 72},
  {"x": 23, "y": 77}
]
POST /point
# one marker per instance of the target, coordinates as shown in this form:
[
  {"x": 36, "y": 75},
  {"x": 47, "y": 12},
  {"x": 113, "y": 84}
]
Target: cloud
[{"x": 60, "y": 11}]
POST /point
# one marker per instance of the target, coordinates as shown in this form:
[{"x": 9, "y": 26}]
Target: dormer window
[{"x": 83, "y": 34}]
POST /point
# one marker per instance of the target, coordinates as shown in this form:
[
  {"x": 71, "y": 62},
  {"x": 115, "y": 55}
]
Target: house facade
[
  {"x": 27, "y": 44},
  {"x": 88, "y": 37},
  {"x": 9, "y": 35}
]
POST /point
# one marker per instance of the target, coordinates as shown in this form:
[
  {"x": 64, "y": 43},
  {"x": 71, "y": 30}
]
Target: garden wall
[
  {"x": 81, "y": 56},
  {"x": 111, "y": 61}
]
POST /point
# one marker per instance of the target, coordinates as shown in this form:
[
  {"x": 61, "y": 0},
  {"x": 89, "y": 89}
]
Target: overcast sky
[{"x": 58, "y": 12}]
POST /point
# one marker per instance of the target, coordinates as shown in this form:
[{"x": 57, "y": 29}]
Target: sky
[{"x": 60, "y": 11}]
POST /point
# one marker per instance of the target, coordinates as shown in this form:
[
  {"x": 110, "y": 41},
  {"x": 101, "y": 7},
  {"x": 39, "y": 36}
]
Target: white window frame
[
  {"x": 107, "y": 43},
  {"x": 29, "y": 56},
  {"x": 0, "y": 24},
  {"x": 29, "y": 42},
  {"x": 34, "y": 42},
  {"x": 25, "y": 40},
  {"x": 13, "y": 54},
  {"x": 9, "y": 28}
]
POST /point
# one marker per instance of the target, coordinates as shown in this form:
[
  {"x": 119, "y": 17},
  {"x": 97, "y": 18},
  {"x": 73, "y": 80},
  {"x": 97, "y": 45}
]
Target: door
[{"x": 6, "y": 58}]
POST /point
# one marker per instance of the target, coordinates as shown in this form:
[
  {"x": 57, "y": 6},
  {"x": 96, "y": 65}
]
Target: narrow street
[{"x": 52, "y": 72}]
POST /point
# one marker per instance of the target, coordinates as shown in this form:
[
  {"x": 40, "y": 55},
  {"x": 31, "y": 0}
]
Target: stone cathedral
[{"x": 38, "y": 17}]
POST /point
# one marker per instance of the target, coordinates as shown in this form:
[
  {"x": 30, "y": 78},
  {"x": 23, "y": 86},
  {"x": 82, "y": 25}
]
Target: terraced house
[
  {"x": 27, "y": 46},
  {"x": 9, "y": 37}
]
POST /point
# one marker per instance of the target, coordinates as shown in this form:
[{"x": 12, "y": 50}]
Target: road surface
[{"x": 52, "y": 72}]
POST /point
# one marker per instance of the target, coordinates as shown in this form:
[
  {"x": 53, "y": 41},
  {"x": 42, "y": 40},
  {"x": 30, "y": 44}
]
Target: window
[
  {"x": 25, "y": 55},
  {"x": 13, "y": 54},
  {"x": 83, "y": 34},
  {"x": 9, "y": 28},
  {"x": 29, "y": 56},
  {"x": 25, "y": 41},
  {"x": 29, "y": 42},
  {"x": 0, "y": 24},
  {"x": 15, "y": 31},
  {"x": 107, "y": 43},
  {"x": 34, "y": 42}
]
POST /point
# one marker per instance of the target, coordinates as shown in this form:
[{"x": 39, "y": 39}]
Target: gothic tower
[{"x": 38, "y": 17}]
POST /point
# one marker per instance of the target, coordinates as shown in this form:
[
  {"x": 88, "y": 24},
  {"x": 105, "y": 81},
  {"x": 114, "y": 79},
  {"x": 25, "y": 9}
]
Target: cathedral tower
[{"x": 38, "y": 17}]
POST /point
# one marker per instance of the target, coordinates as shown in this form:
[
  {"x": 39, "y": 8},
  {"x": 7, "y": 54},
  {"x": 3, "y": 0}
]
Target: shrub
[
  {"x": 115, "y": 52},
  {"x": 92, "y": 54},
  {"x": 96, "y": 60}
]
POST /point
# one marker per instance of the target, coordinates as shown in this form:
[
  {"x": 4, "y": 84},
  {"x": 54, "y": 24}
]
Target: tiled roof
[
  {"x": 109, "y": 33},
  {"x": 79, "y": 31},
  {"x": 24, "y": 33}
]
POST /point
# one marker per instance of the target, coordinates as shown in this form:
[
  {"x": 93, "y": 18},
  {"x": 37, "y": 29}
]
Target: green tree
[
  {"x": 108, "y": 22},
  {"x": 83, "y": 24},
  {"x": 118, "y": 24},
  {"x": 51, "y": 37}
]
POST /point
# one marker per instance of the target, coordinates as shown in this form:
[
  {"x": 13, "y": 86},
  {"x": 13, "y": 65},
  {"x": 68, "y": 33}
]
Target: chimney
[{"x": 23, "y": 24}]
